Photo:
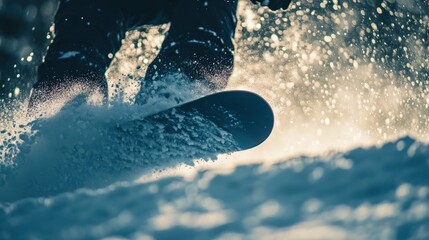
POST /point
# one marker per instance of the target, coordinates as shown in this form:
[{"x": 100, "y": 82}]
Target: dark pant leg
[
  {"x": 199, "y": 43},
  {"x": 87, "y": 35}
]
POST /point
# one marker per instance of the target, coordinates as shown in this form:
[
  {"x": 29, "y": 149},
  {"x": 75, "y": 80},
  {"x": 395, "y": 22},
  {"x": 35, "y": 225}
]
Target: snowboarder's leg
[
  {"x": 198, "y": 45},
  {"x": 87, "y": 35}
]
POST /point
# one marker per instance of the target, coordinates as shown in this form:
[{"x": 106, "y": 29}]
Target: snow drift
[{"x": 381, "y": 192}]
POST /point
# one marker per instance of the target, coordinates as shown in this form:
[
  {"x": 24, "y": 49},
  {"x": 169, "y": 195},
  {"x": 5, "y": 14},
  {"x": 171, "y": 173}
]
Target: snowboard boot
[
  {"x": 198, "y": 50},
  {"x": 61, "y": 81},
  {"x": 185, "y": 72}
]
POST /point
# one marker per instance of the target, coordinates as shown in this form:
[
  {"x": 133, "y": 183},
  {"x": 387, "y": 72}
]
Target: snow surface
[
  {"x": 367, "y": 193},
  {"x": 92, "y": 172}
]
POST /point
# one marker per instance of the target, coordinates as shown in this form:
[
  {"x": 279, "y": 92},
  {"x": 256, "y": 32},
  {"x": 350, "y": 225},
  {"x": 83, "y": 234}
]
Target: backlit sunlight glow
[{"x": 328, "y": 93}]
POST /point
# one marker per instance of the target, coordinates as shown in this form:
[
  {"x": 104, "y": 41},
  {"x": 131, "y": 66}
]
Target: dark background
[{"x": 25, "y": 33}]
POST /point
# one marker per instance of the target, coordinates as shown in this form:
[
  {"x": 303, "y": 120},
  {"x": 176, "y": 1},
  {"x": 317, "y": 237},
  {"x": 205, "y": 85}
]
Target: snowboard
[{"x": 222, "y": 122}]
